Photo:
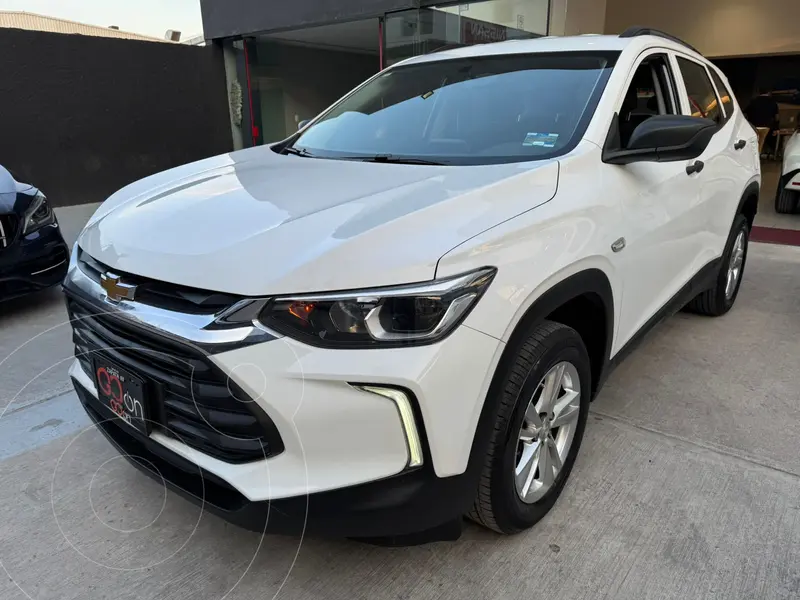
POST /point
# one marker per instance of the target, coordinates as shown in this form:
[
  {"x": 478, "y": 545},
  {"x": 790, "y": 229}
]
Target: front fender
[{"x": 535, "y": 253}]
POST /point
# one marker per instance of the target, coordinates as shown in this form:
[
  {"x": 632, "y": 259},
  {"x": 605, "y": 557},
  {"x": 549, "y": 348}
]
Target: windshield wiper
[
  {"x": 297, "y": 152},
  {"x": 397, "y": 160}
]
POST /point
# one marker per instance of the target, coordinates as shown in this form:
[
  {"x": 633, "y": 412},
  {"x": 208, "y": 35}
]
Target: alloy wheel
[
  {"x": 735, "y": 265},
  {"x": 547, "y": 432}
]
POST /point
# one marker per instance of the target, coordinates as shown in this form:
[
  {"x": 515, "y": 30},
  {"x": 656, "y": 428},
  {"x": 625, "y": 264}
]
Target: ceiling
[{"x": 353, "y": 36}]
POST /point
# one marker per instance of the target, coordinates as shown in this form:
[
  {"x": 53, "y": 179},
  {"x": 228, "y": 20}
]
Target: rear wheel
[
  {"x": 719, "y": 299},
  {"x": 786, "y": 201},
  {"x": 543, "y": 404}
]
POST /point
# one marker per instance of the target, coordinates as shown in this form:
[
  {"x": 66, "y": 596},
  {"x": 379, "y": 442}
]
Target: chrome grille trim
[
  {"x": 201, "y": 330},
  {"x": 4, "y": 242}
]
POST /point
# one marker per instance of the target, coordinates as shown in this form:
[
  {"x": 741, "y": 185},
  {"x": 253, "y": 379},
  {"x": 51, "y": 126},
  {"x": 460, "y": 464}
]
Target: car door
[
  {"x": 655, "y": 254},
  {"x": 727, "y": 161}
]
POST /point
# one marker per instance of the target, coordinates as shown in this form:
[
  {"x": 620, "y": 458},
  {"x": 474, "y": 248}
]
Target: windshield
[{"x": 480, "y": 110}]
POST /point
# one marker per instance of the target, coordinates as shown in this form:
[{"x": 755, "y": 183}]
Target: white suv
[
  {"x": 399, "y": 315},
  {"x": 787, "y": 196}
]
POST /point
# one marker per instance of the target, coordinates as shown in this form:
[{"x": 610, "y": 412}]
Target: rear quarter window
[{"x": 726, "y": 97}]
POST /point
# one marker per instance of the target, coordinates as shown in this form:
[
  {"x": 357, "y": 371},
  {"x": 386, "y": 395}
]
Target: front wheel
[
  {"x": 720, "y": 298},
  {"x": 543, "y": 403}
]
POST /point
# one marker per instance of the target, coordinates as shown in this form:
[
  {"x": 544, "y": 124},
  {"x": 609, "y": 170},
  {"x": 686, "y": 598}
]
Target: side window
[
  {"x": 702, "y": 98},
  {"x": 724, "y": 92},
  {"x": 650, "y": 93}
]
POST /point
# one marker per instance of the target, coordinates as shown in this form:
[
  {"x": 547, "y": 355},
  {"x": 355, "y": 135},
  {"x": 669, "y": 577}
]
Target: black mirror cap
[
  {"x": 662, "y": 138},
  {"x": 303, "y": 123}
]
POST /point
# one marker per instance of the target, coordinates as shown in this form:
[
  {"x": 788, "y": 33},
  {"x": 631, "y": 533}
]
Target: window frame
[
  {"x": 644, "y": 56},
  {"x": 672, "y": 82},
  {"x": 712, "y": 71},
  {"x": 686, "y": 102}
]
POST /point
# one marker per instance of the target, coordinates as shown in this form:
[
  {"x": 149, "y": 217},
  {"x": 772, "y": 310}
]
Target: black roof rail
[{"x": 636, "y": 31}]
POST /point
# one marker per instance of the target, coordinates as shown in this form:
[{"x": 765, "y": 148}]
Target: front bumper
[
  {"x": 34, "y": 262},
  {"x": 790, "y": 181},
  {"x": 415, "y": 507},
  {"x": 343, "y": 467}
]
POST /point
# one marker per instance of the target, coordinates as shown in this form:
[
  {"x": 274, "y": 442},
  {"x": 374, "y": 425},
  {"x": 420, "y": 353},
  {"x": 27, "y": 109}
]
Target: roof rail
[{"x": 636, "y": 31}]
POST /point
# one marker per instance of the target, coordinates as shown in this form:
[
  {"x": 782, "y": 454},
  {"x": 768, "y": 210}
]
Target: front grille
[
  {"x": 8, "y": 229},
  {"x": 161, "y": 294},
  {"x": 190, "y": 398}
]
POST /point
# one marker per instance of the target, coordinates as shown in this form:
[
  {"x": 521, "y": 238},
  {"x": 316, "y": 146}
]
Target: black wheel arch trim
[
  {"x": 589, "y": 281},
  {"x": 753, "y": 190},
  {"x": 785, "y": 178}
]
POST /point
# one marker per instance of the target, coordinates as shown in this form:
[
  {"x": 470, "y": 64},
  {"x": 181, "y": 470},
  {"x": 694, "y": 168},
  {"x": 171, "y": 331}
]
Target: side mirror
[
  {"x": 663, "y": 138},
  {"x": 303, "y": 123}
]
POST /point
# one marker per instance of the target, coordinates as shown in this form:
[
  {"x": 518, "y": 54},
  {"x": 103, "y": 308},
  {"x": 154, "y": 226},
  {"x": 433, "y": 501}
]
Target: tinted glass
[
  {"x": 648, "y": 95},
  {"x": 724, "y": 92},
  {"x": 702, "y": 98},
  {"x": 467, "y": 111}
]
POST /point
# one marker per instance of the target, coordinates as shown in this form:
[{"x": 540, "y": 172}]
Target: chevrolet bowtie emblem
[{"x": 115, "y": 289}]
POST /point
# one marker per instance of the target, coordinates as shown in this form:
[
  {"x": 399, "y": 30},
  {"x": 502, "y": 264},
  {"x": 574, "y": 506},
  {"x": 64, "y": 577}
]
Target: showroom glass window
[
  {"x": 484, "y": 110},
  {"x": 702, "y": 98},
  {"x": 450, "y": 25}
]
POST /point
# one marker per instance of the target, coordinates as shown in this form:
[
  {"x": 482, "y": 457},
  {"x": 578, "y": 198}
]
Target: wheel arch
[
  {"x": 748, "y": 203},
  {"x": 590, "y": 287},
  {"x": 576, "y": 301}
]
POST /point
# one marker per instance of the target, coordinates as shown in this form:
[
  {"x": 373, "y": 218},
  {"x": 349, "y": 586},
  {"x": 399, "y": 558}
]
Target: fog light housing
[{"x": 406, "y": 412}]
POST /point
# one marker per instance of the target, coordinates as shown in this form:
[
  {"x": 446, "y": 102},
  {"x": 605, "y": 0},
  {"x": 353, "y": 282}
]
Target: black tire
[
  {"x": 497, "y": 505},
  {"x": 714, "y": 302},
  {"x": 786, "y": 200}
]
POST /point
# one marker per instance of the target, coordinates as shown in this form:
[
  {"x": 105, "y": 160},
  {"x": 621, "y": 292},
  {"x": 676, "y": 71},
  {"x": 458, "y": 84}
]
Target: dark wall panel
[
  {"x": 80, "y": 116},
  {"x": 225, "y": 18}
]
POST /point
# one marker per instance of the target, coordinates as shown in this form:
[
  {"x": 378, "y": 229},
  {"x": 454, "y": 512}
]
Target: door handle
[
  {"x": 695, "y": 167},
  {"x": 740, "y": 144}
]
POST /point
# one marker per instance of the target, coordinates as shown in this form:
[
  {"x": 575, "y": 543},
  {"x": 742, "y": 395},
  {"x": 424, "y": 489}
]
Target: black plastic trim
[
  {"x": 702, "y": 281},
  {"x": 753, "y": 190},
  {"x": 413, "y": 507},
  {"x": 590, "y": 281},
  {"x": 180, "y": 372},
  {"x": 613, "y": 154}
]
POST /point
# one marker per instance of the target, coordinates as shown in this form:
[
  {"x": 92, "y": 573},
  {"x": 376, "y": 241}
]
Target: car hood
[
  {"x": 15, "y": 197},
  {"x": 258, "y": 223}
]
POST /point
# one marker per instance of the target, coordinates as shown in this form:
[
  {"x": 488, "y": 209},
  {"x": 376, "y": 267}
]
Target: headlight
[
  {"x": 38, "y": 214},
  {"x": 405, "y": 315}
]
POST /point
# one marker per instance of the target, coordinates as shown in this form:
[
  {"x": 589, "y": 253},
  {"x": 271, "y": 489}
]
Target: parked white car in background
[
  {"x": 399, "y": 316},
  {"x": 787, "y": 197}
]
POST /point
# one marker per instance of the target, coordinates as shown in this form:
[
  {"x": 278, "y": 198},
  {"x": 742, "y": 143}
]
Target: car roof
[{"x": 574, "y": 43}]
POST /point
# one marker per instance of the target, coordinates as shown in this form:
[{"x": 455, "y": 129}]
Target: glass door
[{"x": 424, "y": 30}]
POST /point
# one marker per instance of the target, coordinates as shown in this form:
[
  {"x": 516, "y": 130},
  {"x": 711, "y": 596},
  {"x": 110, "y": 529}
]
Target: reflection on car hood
[
  {"x": 255, "y": 222},
  {"x": 14, "y": 196}
]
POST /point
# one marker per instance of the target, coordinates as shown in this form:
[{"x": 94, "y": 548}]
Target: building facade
[{"x": 287, "y": 62}]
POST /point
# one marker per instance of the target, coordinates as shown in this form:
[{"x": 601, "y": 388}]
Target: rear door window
[{"x": 703, "y": 101}]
